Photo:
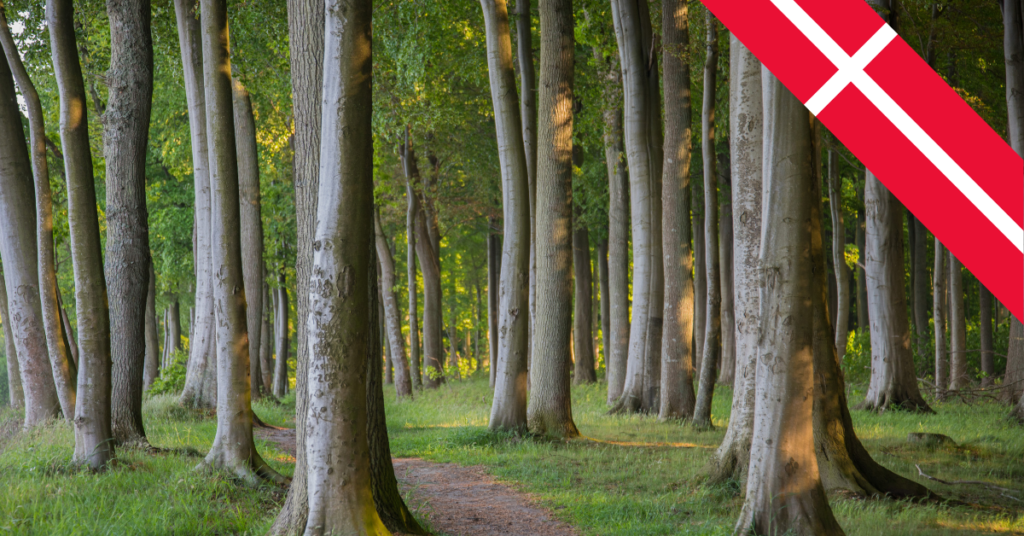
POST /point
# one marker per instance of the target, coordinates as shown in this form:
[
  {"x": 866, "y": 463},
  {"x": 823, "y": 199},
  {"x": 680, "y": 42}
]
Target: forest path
[{"x": 457, "y": 500}]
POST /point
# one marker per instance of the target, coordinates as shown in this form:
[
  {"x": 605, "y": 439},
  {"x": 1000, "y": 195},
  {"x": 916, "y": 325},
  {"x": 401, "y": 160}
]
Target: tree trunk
[
  {"x": 727, "y": 362},
  {"x": 583, "y": 337},
  {"x": 61, "y": 365},
  {"x": 412, "y": 215},
  {"x": 617, "y": 338},
  {"x": 920, "y": 282},
  {"x": 93, "y": 435},
  {"x": 281, "y": 343},
  {"x": 389, "y": 369},
  {"x": 700, "y": 286},
  {"x": 266, "y": 343},
  {"x": 200, "y": 389},
  {"x": 306, "y": 46},
  {"x": 125, "y": 139},
  {"x": 233, "y": 448},
  {"x": 862, "y": 279},
  {"x": 174, "y": 325},
  {"x": 67, "y": 332},
  {"x": 1013, "y": 52},
  {"x": 393, "y": 324},
  {"x": 493, "y": 282},
  {"x": 252, "y": 228},
  {"x": 784, "y": 490},
  {"x": 550, "y": 406},
  {"x": 633, "y": 32},
  {"x": 151, "y": 369},
  {"x": 14, "y": 385},
  {"x": 341, "y": 322},
  {"x": 958, "y": 378},
  {"x": 746, "y": 132},
  {"x": 433, "y": 340},
  {"x": 453, "y": 333},
  {"x": 835, "y": 196},
  {"x": 604, "y": 307},
  {"x": 939, "y": 307},
  {"x": 528, "y": 113},
  {"x": 508, "y": 410},
  {"x": 713, "y": 335},
  {"x": 988, "y": 369},
  {"x": 676, "y": 397}
]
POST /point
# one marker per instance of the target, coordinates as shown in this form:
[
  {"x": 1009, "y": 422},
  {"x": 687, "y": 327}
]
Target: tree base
[
  {"x": 729, "y": 463},
  {"x": 252, "y": 470}
]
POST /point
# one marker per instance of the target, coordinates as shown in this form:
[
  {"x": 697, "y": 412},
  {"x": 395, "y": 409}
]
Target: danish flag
[{"x": 914, "y": 133}]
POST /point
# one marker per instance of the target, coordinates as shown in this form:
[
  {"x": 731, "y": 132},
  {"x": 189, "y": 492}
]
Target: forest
[{"x": 455, "y": 268}]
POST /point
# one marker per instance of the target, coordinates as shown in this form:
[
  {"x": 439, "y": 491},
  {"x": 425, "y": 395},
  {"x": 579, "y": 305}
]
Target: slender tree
[
  {"x": 713, "y": 336},
  {"x": 784, "y": 490},
  {"x": 957, "y": 327},
  {"x": 14, "y": 386},
  {"x": 151, "y": 368},
  {"x": 988, "y": 368},
  {"x": 60, "y": 357},
  {"x": 582, "y": 317},
  {"x": 727, "y": 359},
  {"x": 528, "y": 114},
  {"x": 508, "y": 410},
  {"x": 746, "y": 132},
  {"x": 393, "y": 326},
  {"x": 835, "y": 196},
  {"x": 617, "y": 337},
  {"x": 1013, "y": 52},
  {"x": 493, "y": 284},
  {"x": 280, "y": 386},
  {"x": 939, "y": 320},
  {"x": 412, "y": 215},
  {"x": 266, "y": 344},
  {"x": 433, "y": 324}
]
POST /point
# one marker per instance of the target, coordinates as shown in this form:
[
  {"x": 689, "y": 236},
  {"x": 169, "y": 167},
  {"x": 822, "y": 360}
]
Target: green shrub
[{"x": 172, "y": 378}]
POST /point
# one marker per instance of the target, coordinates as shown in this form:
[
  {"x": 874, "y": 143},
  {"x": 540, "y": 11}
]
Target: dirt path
[{"x": 457, "y": 500}]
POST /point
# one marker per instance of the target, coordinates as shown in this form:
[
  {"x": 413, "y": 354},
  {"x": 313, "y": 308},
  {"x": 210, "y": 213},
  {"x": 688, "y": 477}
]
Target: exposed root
[
  {"x": 259, "y": 423},
  {"x": 970, "y": 482}
]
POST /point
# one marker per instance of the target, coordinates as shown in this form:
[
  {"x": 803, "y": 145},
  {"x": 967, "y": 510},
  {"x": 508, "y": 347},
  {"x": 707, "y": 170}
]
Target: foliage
[{"x": 172, "y": 378}]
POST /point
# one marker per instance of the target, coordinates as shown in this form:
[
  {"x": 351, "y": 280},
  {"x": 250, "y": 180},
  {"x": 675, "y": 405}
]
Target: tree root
[{"x": 970, "y": 482}]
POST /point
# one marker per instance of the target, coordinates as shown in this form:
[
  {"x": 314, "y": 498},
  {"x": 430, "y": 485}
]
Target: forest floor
[{"x": 628, "y": 475}]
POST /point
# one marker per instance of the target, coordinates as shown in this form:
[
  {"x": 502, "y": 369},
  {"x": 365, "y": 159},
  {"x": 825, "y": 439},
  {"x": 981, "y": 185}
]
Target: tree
[
  {"x": 1013, "y": 52},
  {"x": 60, "y": 358},
  {"x": 550, "y": 407},
  {"x": 677, "y": 396},
  {"x": 713, "y": 336},
  {"x": 957, "y": 327},
  {"x": 493, "y": 285},
  {"x": 939, "y": 320},
  {"x": 341, "y": 322},
  {"x": 21, "y": 274},
  {"x": 252, "y": 228},
  {"x": 151, "y": 367},
  {"x": 266, "y": 344},
  {"x": 280, "y": 385},
  {"x": 233, "y": 448},
  {"x": 528, "y": 115},
  {"x": 835, "y": 196},
  {"x": 93, "y": 432},
  {"x": 582, "y": 316},
  {"x": 125, "y": 141},
  {"x": 412, "y": 177},
  {"x": 430, "y": 266},
  {"x": 508, "y": 410},
  {"x": 393, "y": 326},
  {"x": 14, "y": 386},
  {"x": 617, "y": 338},
  {"x": 784, "y": 490},
  {"x": 746, "y": 133},
  {"x": 988, "y": 368}
]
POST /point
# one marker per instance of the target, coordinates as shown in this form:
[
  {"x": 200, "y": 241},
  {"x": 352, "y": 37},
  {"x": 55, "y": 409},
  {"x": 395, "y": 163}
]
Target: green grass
[{"x": 630, "y": 475}]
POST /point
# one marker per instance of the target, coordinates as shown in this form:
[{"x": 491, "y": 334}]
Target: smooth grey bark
[
  {"x": 604, "y": 306},
  {"x": 528, "y": 113},
  {"x": 233, "y": 447},
  {"x": 412, "y": 215},
  {"x": 633, "y": 33},
  {"x": 835, "y": 196},
  {"x": 280, "y": 387},
  {"x": 582, "y": 317},
  {"x": 920, "y": 284},
  {"x": 252, "y": 228},
  {"x": 93, "y": 444},
  {"x": 700, "y": 285},
  {"x": 14, "y": 386},
  {"x": 958, "y": 378},
  {"x": 61, "y": 364},
  {"x": 266, "y": 344},
  {"x": 173, "y": 326},
  {"x": 1013, "y": 52},
  {"x": 493, "y": 283},
  {"x": 940, "y": 279},
  {"x": 862, "y": 285},
  {"x": 549, "y": 412},
  {"x": 125, "y": 141},
  {"x": 433, "y": 325},
  {"x": 200, "y": 389},
  {"x": 676, "y": 397},
  {"x": 988, "y": 368},
  {"x": 784, "y": 489},
  {"x": 713, "y": 325},
  {"x": 392, "y": 320},
  {"x": 508, "y": 409},
  {"x": 341, "y": 331},
  {"x": 727, "y": 361},
  {"x": 68, "y": 333},
  {"x": 746, "y": 132},
  {"x": 151, "y": 368},
  {"x": 617, "y": 339}
]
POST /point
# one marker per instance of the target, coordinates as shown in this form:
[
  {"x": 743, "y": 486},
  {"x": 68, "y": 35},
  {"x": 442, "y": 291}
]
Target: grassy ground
[{"x": 629, "y": 476}]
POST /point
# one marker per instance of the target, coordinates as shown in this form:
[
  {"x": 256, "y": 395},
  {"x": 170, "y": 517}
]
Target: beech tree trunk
[
  {"x": 200, "y": 389},
  {"x": 125, "y": 140},
  {"x": 233, "y": 448},
  {"x": 433, "y": 326},
  {"x": 528, "y": 113},
  {"x": 1013, "y": 51},
  {"x": 306, "y": 46},
  {"x": 453, "y": 341},
  {"x": 835, "y": 196},
  {"x": 93, "y": 434},
  {"x": 508, "y": 410},
  {"x": 746, "y": 132},
  {"x": 281, "y": 343},
  {"x": 393, "y": 324},
  {"x": 252, "y": 227},
  {"x": 493, "y": 283},
  {"x": 67, "y": 333},
  {"x": 550, "y": 406},
  {"x": 727, "y": 361},
  {"x": 174, "y": 326},
  {"x": 617, "y": 338},
  {"x": 862, "y": 280},
  {"x": 342, "y": 319},
  {"x": 988, "y": 368},
  {"x": 784, "y": 489},
  {"x": 582, "y": 318},
  {"x": 713, "y": 326},
  {"x": 151, "y": 369},
  {"x": 412, "y": 178},
  {"x": 958, "y": 378},
  {"x": 700, "y": 286},
  {"x": 633, "y": 32},
  {"x": 939, "y": 318},
  {"x": 920, "y": 282},
  {"x": 61, "y": 365},
  {"x": 14, "y": 385},
  {"x": 677, "y": 397},
  {"x": 266, "y": 343},
  {"x": 603, "y": 306}
]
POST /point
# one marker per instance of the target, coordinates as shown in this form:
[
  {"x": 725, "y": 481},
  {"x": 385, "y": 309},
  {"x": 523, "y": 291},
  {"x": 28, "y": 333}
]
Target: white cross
[{"x": 851, "y": 71}]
